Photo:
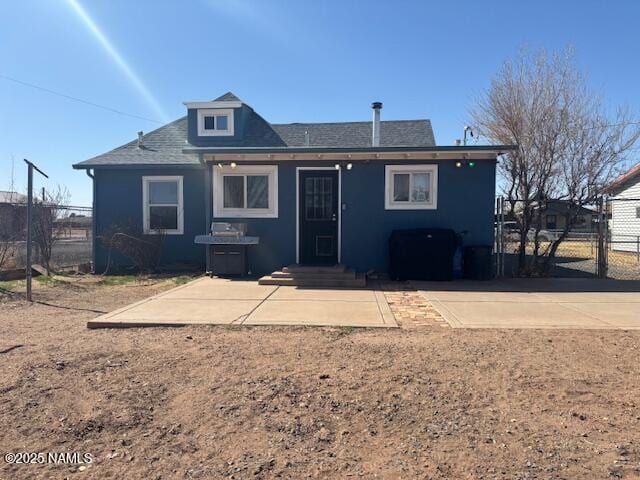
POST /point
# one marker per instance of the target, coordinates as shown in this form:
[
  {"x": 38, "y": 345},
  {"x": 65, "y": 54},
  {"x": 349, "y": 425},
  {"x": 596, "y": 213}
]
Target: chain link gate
[
  {"x": 604, "y": 243},
  {"x": 576, "y": 255}
]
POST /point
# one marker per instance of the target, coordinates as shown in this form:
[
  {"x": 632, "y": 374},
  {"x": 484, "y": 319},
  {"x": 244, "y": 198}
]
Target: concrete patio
[
  {"x": 216, "y": 301},
  {"x": 537, "y": 303}
]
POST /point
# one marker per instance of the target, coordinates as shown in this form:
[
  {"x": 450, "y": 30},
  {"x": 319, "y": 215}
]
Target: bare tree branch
[{"x": 569, "y": 147}]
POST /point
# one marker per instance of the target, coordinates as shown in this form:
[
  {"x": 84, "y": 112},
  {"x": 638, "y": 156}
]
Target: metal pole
[
  {"x": 602, "y": 232},
  {"x": 497, "y": 234},
  {"x": 29, "y": 215},
  {"x": 502, "y": 239},
  {"x": 28, "y": 272}
]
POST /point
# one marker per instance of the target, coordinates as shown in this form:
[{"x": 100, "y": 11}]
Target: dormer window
[{"x": 214, "y": 122}]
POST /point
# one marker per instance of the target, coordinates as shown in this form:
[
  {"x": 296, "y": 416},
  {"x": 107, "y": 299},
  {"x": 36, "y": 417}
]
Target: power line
[{"x": 75, "y": 99}]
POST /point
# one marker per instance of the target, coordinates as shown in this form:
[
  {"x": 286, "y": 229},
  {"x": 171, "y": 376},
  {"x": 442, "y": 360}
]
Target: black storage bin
[
  {"x": 422, "y": 254},
  {"x": 478, "y": 262}
]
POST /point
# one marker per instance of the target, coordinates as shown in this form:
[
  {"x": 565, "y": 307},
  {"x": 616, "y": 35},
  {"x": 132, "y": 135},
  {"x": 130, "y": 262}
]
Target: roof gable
[{"x": 227, "y": 97}]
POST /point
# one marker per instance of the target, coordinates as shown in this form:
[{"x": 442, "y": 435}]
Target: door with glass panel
[{"x": 318, "y": 217}]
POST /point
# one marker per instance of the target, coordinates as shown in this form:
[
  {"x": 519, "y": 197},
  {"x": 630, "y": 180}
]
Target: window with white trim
[
  {"x": 162, "y": 205},
  {"x": 411, "y": 187},
  {"x": 249, "y": 191},
  {"x": 213, "y": 122}
]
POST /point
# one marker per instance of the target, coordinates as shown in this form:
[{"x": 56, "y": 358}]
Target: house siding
[
  {"x": 625, "y": 226},
  {"x": 118, "y": 200},
  {"x": 465, "y": 203}
]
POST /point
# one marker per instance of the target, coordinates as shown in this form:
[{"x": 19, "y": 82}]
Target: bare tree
[
  {"x": 7, "y": 238},
  {"x": 569, "y": 146},
  {"x": 45, "y": 226},
  {"x": 9, "y": 221}
]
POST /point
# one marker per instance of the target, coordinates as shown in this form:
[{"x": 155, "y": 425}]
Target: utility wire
[{"x": 75, "y": 99}]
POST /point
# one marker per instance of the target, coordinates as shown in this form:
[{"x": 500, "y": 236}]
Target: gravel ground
[{"x": 268, "y": 402}]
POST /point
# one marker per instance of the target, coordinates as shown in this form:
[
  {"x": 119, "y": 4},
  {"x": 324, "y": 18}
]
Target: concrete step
[
  {"x": 346, "y": 275},
  {"x": 295, "y": 268},
  {"x": 358, "y": 282}
]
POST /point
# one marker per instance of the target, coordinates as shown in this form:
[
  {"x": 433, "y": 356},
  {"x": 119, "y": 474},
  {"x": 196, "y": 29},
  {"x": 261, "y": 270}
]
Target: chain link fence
[
  {"x": 70, "y": 229},
  {"x": 560, "y": 241},
  {"x": 564, "y": 240}
]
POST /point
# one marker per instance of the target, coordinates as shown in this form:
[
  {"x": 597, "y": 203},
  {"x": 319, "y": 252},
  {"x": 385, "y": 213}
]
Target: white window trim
[
  {"x": 145, "y": 205},
  {"x": 215, "y": 112},
  {"x": 390, "y": 204},
  {"x": 271, "y": 171}
]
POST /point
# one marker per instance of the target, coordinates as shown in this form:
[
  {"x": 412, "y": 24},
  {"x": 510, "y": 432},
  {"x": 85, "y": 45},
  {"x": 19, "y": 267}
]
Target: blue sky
[{"x": 290, "y": 60}]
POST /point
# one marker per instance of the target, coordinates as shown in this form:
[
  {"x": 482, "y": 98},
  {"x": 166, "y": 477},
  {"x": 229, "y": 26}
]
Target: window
[
  {"x": 162, "y": 205},
  {"x": 319, "y": 198},
  {"x": 552, "y": 222},
  {"x": 637, "y": 212},
  {"x": 411, "y": 187},
  {"x": 246, "y": 191},
  {"x": 215, "y": 122}
]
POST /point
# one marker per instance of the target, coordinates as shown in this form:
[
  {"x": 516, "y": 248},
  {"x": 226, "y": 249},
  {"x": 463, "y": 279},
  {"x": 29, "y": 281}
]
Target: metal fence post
[
  {"x": 28, "y": 271},
  {"x": 29, "y": 219},
  {"x": 499, "y": 236},
  {"x": 602, "y": 232}
]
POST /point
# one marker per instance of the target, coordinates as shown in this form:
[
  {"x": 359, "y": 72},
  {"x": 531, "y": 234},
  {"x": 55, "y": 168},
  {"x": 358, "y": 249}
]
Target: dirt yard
[{"x": 240, "y": 402}]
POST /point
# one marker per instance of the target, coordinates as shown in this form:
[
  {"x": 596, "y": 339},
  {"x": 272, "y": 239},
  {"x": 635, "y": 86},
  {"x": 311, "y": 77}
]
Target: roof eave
[{"x": 498, "y": 149}]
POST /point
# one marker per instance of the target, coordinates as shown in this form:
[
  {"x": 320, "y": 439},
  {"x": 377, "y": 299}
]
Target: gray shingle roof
[
  {"x": 164, "y": 146},
  {"x": 393, "y": 133},
  {"x": 227, "y": 97}
]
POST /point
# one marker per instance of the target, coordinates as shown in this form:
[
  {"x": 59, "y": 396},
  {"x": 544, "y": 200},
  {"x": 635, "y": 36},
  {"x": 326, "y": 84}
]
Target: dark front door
[{"x": 318, "y": 217}]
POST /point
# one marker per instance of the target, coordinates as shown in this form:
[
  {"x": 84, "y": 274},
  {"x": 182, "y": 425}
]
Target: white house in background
[{"x": 625, "y": 211}]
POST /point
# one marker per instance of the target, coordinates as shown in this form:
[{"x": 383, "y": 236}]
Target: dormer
[{"x": 216, "y": 123}]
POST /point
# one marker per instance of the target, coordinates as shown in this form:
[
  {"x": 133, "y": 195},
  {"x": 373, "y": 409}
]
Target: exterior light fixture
[
  {"x": 349, "y": 166},
  {"x": 234, "y": 164},
  {"x": 337, "y": 166},
  {"x": 472, "y": 164},
  {"x": 219, "y": 165},
  {"x": 458, "y": 164}
]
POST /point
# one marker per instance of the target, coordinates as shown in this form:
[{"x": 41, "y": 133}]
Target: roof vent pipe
[
  {"x": 140, "y": 134},
  {"x": 375, "y": 139},
  {"x": 306, "y": 137}
]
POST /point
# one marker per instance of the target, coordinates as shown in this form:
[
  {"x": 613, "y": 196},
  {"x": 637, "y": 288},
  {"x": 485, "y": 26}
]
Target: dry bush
[{"x": 144, "y": 251}]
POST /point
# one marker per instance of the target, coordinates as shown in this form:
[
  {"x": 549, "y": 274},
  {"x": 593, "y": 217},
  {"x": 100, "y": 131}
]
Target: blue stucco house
[{"x": 315, "y": 193}]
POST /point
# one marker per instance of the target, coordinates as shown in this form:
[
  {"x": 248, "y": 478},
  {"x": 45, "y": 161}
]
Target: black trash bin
[
  {"x": 422, "y": 254},
  {"x": 478, "y": 262}
]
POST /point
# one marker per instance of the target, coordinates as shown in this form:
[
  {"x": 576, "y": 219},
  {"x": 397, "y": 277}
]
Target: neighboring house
[
  {"x": 315, "y": 193},
  {"x": 13, "y": 215},
  {"x": 557, "y": 212},
  {"x": 625, "y": 211}
]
